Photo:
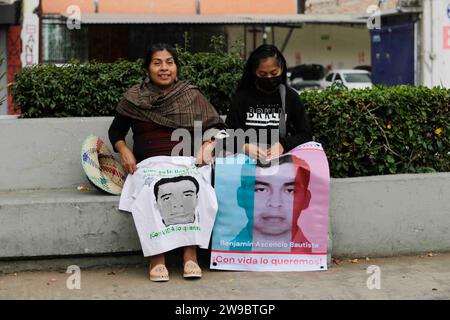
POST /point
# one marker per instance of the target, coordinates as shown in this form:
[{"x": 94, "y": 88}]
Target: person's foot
[
  {"x": 192, "y": 270},
  {"x": 159, "y": 273}
]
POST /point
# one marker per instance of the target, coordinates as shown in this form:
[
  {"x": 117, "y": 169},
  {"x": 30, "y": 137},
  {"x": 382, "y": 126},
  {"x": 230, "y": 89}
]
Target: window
[
  {"x": 198, "y": 37},
  {"x": 60, "y": 45},
  {"x": 107, "y": 43},
  {"x": 357, "y": 77},
  {"x": 338, "y": 77},
  {"x": 329, "y": 77}
]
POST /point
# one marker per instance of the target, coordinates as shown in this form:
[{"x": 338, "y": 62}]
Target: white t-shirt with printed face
[
  {"x": 177, "y": 201},
  {"x": 172, "y": 202}
]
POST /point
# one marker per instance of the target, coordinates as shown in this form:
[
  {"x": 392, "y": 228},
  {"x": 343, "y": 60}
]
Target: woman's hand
[
  {"x": 205, "y": 154},
  {"x": 128, "y": 161},
  {"x": 275, "y": 151},
  {"x": 255, "y": 152},
  {"x": 126, "y": 156}
]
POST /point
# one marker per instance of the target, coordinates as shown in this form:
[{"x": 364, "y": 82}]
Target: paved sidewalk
[{"x": 415, "y": 277}]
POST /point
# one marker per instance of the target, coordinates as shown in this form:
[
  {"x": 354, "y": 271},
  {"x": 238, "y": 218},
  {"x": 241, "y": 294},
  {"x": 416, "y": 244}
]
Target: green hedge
[
  {"x": 384, "y": 130},
  {"x": 94, "y": 89},
  {"x": 73, "y": 90},
  {"x": 216, "y": 74}
]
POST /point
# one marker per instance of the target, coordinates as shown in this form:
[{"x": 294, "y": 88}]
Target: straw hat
[{"x": 100, "y": 166}]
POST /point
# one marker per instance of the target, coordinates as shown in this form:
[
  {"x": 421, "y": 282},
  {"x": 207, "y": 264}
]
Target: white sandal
[
  {"x": 192, "y": 270},
  {"x": 159, "y": 273}
]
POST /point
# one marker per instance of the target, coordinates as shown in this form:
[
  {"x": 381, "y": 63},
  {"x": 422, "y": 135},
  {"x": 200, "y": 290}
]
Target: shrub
[
  {"x": 76, "y": 89},
  {"x": 94, "y": 89},
  {"x": 216, "y": 73},
  {"x": 384, "y": 130}
]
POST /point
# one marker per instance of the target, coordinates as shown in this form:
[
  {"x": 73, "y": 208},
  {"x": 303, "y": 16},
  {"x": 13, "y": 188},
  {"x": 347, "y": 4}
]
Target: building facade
[
  {"x": 10, "y": 50},
  {"x": 332, "y": 33},
  {"x": 335, "y": 44}
]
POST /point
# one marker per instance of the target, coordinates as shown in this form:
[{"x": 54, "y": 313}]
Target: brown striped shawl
[{"x": 178, "y": 108}]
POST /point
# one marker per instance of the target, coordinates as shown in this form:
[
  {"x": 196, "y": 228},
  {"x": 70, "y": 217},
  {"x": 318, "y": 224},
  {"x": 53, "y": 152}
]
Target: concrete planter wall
[
  {"x": 390, "y": 215},
  {"x": 45, "y": 153},
  {"x": 43, "y": 214}
]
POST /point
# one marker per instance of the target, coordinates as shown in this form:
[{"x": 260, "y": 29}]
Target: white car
[{"x": 352, "y": 79}]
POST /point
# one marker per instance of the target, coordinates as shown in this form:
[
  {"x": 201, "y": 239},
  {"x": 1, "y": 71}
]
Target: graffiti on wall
[{"x": 30, "y": 33}]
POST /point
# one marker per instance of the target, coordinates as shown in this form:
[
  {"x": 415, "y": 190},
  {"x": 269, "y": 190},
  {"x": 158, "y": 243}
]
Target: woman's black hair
[
  {"x": 262, "y": 52},
  {"x": 160, "y": 47}
]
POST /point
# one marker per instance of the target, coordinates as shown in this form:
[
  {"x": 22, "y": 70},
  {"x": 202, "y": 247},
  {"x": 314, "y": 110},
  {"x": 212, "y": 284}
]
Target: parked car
[
  {"x": 350, "y": 78},
  {"x": 300, "y": 84},
  {"x": 363, "y": 67},
  {"x": 306, "y": 76}
]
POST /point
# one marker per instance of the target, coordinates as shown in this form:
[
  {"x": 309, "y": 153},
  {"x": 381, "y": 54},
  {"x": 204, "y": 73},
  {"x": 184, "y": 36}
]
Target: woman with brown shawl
[{"x": 153, "y": 110}]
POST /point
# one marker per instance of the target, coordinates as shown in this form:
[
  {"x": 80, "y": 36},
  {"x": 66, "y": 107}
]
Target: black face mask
[{"x": 268, "y": 84}]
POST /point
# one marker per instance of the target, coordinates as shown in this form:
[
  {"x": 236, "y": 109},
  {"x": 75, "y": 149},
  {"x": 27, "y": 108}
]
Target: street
[{"x": 414, "y": 277}]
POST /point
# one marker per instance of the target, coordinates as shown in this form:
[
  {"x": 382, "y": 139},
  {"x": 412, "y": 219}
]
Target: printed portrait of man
[
  {"x": 176, "y": 199},
  {"x": 273, "y": 197}
]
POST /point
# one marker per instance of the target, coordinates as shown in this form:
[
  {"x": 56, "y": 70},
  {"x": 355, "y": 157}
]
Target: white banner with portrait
[
  {"x": 172, "y": 202},
  {"x": 272, "y": 216}
]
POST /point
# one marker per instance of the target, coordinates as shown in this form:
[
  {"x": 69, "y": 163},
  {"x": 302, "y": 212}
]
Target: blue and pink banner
[{"x": 272, "y": 216}]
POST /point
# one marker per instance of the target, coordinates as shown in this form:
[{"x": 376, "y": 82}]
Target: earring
[{"x": 147, "y": 79}]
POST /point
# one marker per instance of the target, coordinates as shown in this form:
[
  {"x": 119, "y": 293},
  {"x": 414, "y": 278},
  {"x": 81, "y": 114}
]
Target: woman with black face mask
[{"x": 257, "y": 105}]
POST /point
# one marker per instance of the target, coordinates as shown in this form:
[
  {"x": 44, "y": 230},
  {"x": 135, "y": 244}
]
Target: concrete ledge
[
  {"x": 45, "y": 153},
  {"x": 390, "y": 215},
  {"x": 42, "y": 214},
  {"x": 60, "y": 264},
  {"x": 369, "y": 216},
  {"x": 63, "y": 222}
]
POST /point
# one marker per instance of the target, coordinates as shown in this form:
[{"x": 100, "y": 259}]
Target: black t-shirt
[{"x": 254, "y": 109}]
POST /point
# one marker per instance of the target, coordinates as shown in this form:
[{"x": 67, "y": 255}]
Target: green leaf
[{"x": 390, "y": 159}]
